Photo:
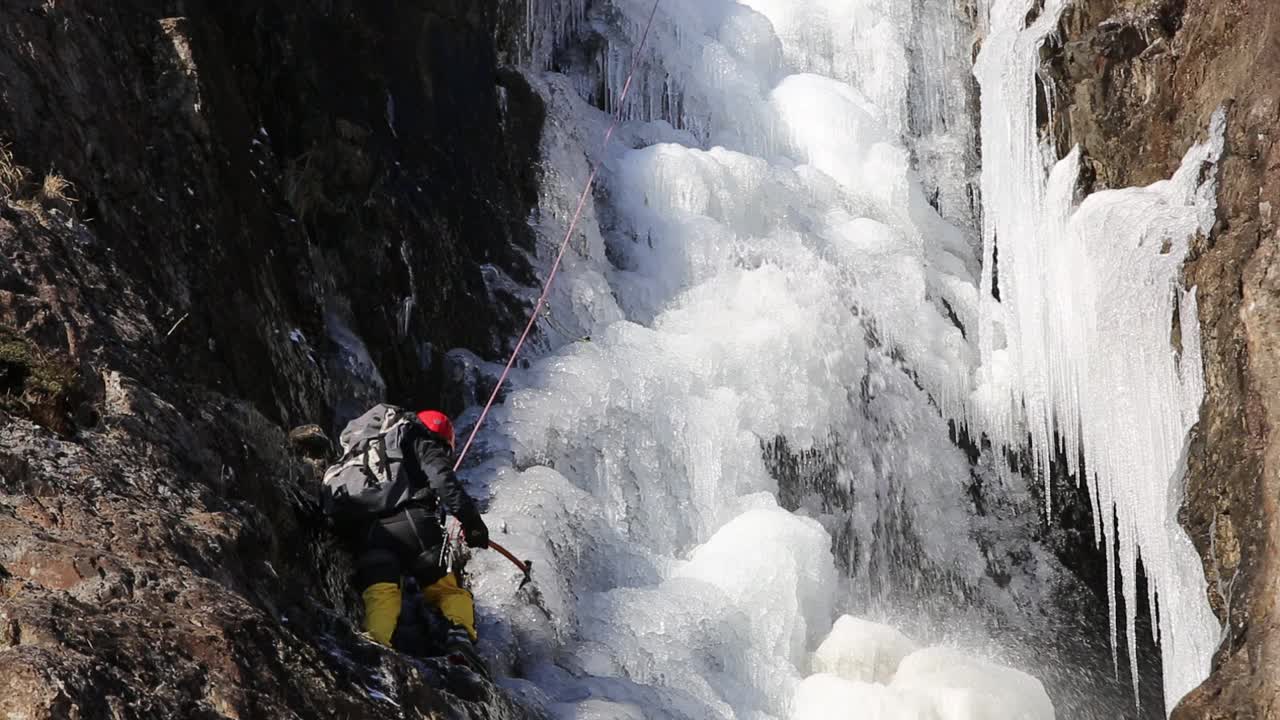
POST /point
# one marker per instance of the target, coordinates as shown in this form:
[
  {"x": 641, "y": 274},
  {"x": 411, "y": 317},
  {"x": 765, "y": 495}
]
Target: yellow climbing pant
[
  {"x": 381, "y": 611},
  {"x": 454, "y": 602},
  {"x": 382, "y": 607}
]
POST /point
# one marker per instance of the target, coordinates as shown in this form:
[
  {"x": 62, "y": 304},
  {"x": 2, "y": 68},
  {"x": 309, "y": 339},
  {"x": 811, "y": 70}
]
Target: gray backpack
[{"x": 370, "y": 479}]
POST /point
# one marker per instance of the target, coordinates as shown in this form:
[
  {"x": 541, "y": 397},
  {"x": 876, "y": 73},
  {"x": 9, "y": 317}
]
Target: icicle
[{"x": 1086, "y": 297}]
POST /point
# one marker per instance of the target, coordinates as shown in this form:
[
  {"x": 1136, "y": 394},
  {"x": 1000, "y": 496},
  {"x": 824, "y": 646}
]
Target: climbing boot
[{"x": 460, "y": 650}]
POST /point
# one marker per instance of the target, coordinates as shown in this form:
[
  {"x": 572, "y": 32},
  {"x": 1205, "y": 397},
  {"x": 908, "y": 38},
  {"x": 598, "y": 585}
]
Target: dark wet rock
[
  {"x": 278, "y": 190},
  {"x": 219, "y": 221},
  {"x": 311, "y": 442}
]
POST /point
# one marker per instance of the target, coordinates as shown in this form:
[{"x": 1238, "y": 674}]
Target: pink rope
[{"x": 573, "y": 225}]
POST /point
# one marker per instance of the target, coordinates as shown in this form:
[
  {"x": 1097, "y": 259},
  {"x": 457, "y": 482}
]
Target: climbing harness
[{"x": 526, "y": 566}]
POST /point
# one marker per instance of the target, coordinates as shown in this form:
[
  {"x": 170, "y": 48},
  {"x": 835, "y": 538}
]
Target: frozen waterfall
[{"x": 786, "y": 262}]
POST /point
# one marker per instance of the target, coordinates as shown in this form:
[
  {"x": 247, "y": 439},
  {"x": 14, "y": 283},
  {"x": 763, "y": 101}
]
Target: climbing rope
[
  {"x": 573, "y": 224},
  {"x": 453, "y": 531}
]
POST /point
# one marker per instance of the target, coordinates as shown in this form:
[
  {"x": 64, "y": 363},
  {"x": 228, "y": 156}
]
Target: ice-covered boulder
[
  {"x": 775, "y": 566},
  {"x": 862, "y": 651},
  {"x": 829, "y": 697},
  {"x": 930, "y": 684},
  {"x": 965, "y": 688}
]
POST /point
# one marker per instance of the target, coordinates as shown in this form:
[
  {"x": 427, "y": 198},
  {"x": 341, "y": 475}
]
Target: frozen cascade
[
  {"x": 784, "y": 245},
  {"x": 1078, "y": 349}
]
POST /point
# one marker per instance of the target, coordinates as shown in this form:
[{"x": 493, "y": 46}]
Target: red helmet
[{"x": 438, "y": 423}]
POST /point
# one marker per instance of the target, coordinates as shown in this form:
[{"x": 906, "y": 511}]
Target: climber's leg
[{"x": 454, "y": 602}]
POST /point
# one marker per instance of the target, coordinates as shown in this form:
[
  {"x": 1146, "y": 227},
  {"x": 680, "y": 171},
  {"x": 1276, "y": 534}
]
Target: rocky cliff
[
  {"x": 218, "y": 221},
  {"x": 1137, "y": 82}
]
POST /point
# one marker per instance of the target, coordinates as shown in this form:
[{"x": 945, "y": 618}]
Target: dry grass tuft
[
  {"x": 56, "y": 188},
  {"x": 35, "y": 384},
  {"x": 17, "y": 188},
  {"x": 12, "y": 176}
]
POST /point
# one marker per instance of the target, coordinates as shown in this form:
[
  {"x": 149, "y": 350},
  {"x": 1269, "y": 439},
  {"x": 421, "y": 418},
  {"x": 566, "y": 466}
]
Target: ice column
[{"x": 1078, "y": 349}]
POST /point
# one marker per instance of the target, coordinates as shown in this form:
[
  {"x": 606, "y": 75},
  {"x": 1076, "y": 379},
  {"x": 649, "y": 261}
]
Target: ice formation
[
  {"x": 784, "y": 245},
  {"x": 963, "y": 687},
  {"x": 1079, "y": 350},
  {"x": 882, "y": 677},
  {"x": 862, "y": 651}
]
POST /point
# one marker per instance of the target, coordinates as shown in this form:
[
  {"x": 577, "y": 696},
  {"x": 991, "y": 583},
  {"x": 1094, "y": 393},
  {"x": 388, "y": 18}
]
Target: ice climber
[{"x": 392, "y": 488}]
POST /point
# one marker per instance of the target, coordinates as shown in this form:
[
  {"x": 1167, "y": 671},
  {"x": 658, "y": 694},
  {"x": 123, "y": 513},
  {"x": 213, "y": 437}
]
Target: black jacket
[{"x": 430, "y": 463}]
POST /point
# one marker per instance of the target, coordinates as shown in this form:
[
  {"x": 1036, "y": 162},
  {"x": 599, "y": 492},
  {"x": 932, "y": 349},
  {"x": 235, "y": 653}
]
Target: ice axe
[{"x": 526, "y": 566}]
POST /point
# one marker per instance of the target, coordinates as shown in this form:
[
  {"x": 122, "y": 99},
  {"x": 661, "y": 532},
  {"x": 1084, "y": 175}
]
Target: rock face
[
  {"x": 222, "y": 220},
  {"x": 1139, "y": 80},
  {"x": 219, "y": 221},
  {"x": 279, "y": 190}
]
